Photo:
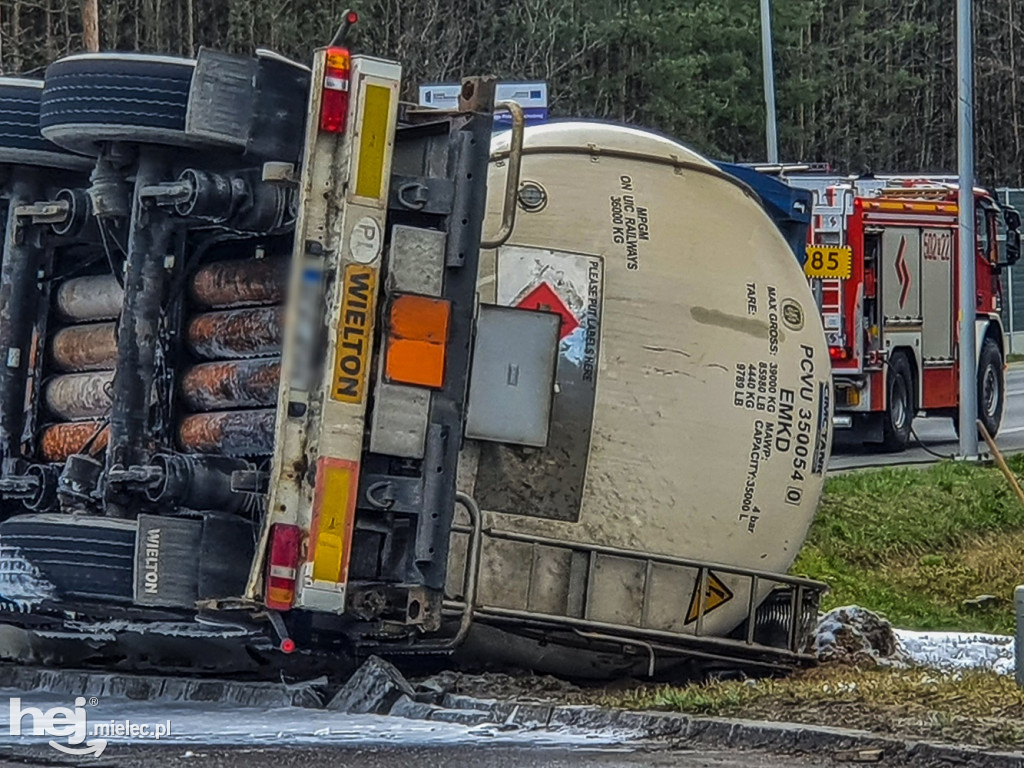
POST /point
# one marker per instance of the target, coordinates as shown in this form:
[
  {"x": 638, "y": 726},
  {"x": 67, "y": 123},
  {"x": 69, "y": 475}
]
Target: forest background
[{"x": 864, "y": 85}]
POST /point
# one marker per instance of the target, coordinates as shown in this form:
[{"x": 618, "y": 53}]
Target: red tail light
[
  {"x": 282, "y": 566},
  {"x": 838, "y": 353},
  {"x": 334, "y": 99}
]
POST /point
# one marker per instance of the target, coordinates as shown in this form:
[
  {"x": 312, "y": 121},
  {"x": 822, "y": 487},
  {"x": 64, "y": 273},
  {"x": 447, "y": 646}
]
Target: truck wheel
[
  {"x": 899, "y": 409},
  {"x": 991, "y": 386},
  {"x": 66, "y": 558},
  {"x": 21, "y": 143},
  {"x": 90, "y": 99}
]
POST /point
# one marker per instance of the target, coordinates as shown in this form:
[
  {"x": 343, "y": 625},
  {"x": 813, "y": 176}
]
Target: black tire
[
  {"x": 90, "y": 99},
  {"x": 65, "y": 559},
  {"x": 991, "y": 386},
  {"x": 991, "y": 399},
  {"x": 899, "y": 405},
  {"x": 21, "y": 143}
]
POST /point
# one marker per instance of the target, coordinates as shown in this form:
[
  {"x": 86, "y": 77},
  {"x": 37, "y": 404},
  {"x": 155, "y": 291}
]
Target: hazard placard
[
  {"x": 716, "y": 595},
  {"x": 829, "y": 261}
]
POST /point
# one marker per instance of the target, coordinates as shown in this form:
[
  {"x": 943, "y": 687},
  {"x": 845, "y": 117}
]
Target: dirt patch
[
  {"x": 496, "y": 685},
  {"x": 856, "y": 636}
]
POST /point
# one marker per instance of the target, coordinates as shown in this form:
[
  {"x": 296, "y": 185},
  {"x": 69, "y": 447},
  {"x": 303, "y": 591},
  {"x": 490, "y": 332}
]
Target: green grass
[
  {"x": 914, "y": 544},
  {"x": 1015, "y": 357},
  {"x": 911, "y": 544},
  {"x": 974, "y": 707}
]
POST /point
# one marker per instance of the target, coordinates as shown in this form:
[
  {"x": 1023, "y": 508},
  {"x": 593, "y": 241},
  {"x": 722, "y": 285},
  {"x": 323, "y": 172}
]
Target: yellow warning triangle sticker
[{"x": 717, "y": 594}]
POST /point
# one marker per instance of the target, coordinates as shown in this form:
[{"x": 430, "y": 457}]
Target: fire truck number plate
[{"x": 831, "y": 261}]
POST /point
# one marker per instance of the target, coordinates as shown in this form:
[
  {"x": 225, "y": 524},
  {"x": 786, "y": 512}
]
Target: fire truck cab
[{"x": 891, "y": 317}]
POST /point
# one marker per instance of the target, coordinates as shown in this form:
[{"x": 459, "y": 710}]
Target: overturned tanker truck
[{"x": 289, "y": 362}]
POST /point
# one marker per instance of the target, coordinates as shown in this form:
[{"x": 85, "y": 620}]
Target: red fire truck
[{"x": 884, "y": 261}]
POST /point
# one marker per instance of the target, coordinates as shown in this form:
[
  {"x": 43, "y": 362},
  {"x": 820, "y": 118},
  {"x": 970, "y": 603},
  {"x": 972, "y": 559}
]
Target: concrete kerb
[
  {"x": 689, "y": 730},
  {"x": 158, "y": 688},
  {"x": 843, "y": 744},
  {"x": 674, "y": 728}
]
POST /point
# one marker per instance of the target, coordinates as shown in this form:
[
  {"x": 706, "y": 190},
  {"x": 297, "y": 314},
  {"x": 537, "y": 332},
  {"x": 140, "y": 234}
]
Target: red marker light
[
  {"x": 352, "y": 17},
  {"x": 287, "y": 645}
]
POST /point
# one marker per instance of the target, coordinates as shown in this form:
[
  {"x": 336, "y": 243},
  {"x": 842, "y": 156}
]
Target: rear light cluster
[
  {"x": 839, "y": 353},
  {"x": 335, "y": 96},
  {"x": 283, "y": 566}
]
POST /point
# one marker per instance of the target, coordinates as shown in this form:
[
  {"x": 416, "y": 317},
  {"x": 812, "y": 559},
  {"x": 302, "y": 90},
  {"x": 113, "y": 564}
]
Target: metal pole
[
  {"x": 1009, "y": 301},
  {"x": 768, "y": 66},
  {"x": 965, "y": 149},
  {"x": 1009, "y": 287},
  {"x": 1018, "y": 645}
]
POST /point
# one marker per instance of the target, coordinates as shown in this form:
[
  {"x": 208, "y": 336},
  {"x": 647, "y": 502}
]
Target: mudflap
[
  {"x": 868, "y": 427},
  {"x": 864, "y": 428},
  {"x": 168, "y": 572}
]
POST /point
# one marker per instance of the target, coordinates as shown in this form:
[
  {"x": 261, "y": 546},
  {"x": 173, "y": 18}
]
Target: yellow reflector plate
[
  {"x": 373, "y": 139},
  {"x": 333, "y": 506}
]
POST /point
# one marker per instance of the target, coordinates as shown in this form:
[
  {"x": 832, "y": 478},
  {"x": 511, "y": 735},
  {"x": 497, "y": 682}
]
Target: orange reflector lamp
[
  {"x": 282, "y": 566},
  {"x": 417, "y": 340},
  {"x": 334, "y": 99},
  {"x": 334, "y": 501}
]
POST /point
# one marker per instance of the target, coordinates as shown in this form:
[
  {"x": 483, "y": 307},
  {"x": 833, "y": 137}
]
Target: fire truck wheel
[
  {"x": 899, "y": 412},
  {"x": 991, "y": 386}
]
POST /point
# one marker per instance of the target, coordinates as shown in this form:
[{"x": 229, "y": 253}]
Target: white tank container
[{"x": 691, "y": 413}]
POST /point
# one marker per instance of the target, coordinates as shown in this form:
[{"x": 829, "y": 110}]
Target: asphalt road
[
  {"x": 222, "y": 735},
  {"x": 389, "y": 756},
  {"x": 937, "y": 435}
]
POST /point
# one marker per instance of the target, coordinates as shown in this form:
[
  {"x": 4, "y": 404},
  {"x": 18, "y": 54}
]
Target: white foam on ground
[
  {"x": 959, "y": 650},
  {"x": 947, "y": 651},
  {"x": 214, "y": 723},
  {"x": 21, "y": 585}
]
